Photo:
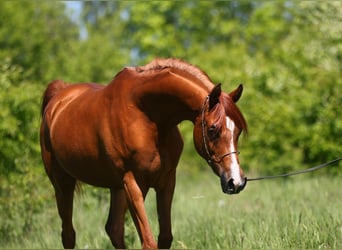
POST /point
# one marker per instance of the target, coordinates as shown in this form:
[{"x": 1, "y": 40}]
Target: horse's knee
[{"x": 164, "y": 241}]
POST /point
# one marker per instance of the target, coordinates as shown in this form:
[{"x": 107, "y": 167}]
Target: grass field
[{"x": 300, "y": 212}]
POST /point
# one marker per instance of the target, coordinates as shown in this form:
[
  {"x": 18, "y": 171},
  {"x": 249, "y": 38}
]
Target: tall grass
[
  {"x": 297, "y": 213},
  {"x": 300, "y": 212}
]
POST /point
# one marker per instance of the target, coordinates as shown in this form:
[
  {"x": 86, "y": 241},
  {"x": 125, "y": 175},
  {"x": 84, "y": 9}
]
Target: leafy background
[{"x": 288, "y": 54}]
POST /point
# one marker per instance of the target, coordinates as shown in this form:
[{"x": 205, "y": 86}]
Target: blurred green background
[{"x": 288, "y": 55}]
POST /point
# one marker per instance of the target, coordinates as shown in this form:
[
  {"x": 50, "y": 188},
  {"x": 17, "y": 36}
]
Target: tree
[
  {"x": 32, "y": 53},
  {"x": 175, "y": 29},
  {"x": 36, "y": 36},
  {"x": 295, "y": 68}
]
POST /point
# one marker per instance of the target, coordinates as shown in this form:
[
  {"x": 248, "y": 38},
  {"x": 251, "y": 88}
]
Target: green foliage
[
  {"x": 35, "y": 35},
  {"x": 19, "y": 103},
  {"x": 22, "y": 187},
  {"x": 297, "y": 79}
]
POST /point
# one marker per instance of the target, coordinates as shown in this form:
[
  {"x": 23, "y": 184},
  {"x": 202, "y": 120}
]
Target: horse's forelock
[
  {"x": 219, "y": 114},
  {"x": 232, "y": 110}
]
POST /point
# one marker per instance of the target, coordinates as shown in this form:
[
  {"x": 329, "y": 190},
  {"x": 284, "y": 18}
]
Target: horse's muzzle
[{"x": 229, "y": 187}]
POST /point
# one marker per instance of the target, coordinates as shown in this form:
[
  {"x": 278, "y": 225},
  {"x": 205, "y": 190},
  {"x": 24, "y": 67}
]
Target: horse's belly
[
  {"x": 106, "y": 181},
  {"x": 95, "y": 173}
]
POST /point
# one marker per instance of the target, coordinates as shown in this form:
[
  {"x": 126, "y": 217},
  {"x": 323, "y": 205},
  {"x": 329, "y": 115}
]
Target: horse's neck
[{"x": 170, "y": 97}]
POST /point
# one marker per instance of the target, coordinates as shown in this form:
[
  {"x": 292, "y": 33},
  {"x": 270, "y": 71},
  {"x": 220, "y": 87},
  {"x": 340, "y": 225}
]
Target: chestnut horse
[{"x": 124, "y": 137}]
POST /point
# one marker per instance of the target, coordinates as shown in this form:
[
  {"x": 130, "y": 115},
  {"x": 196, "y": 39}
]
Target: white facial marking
[{"x": 234, "y": 168}]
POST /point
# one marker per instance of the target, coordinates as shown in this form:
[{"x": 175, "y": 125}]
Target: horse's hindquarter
[{"x": 78, "y": 121}]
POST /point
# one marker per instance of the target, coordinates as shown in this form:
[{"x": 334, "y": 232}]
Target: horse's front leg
[
  {"x": 135, "y": 197},
  {"x": 164, "y": 200}
]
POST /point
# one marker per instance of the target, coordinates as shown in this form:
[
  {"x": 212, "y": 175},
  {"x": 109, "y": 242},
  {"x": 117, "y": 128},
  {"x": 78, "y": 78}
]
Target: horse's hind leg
[
  {"x": 116, "y": 219},
  {"x": 64, "y": 186},
  {"x": 64, "y": 197}
]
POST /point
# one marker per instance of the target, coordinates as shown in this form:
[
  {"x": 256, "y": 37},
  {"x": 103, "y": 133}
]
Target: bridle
[{"x": 211, "y": 157}]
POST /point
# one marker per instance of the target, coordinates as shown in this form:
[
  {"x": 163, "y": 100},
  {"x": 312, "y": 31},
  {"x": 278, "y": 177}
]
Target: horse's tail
[{"x": 51, "y": 90}]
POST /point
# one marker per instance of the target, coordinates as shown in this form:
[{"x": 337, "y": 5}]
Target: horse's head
[{"x": 216, "y": 133}]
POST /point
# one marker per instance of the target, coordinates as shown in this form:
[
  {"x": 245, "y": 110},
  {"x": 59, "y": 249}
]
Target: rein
[
  {"x": 211, "y": 159},
  {"x": 296, "y": 172}
]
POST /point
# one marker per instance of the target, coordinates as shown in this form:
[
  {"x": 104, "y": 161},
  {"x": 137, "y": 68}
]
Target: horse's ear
[
  {"x": 214, "y": 96},
  {"x": 236, "y": 94}
]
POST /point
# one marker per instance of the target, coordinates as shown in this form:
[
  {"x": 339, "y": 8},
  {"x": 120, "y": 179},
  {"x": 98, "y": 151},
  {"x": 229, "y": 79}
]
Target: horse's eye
[{"x": 212, "y": 131}]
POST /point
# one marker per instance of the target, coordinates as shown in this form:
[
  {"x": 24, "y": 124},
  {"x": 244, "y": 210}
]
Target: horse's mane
[
  {"x": 160, "y": 64},
  {"x": 228, "y": 106}
]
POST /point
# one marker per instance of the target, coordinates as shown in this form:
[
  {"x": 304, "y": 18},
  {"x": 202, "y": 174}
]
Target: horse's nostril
[
  {"x": 227, "y": 186},
  {"x": 230, "y": 184},
  {"x": 230, "y": 187}
]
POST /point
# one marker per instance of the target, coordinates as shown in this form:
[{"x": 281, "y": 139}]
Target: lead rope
[{"x": 296, "y": 172}]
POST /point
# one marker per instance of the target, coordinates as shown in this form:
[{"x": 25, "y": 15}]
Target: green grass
[
  {"x": 301, "y": 212},
  {"x": 298, "y": 213}
]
